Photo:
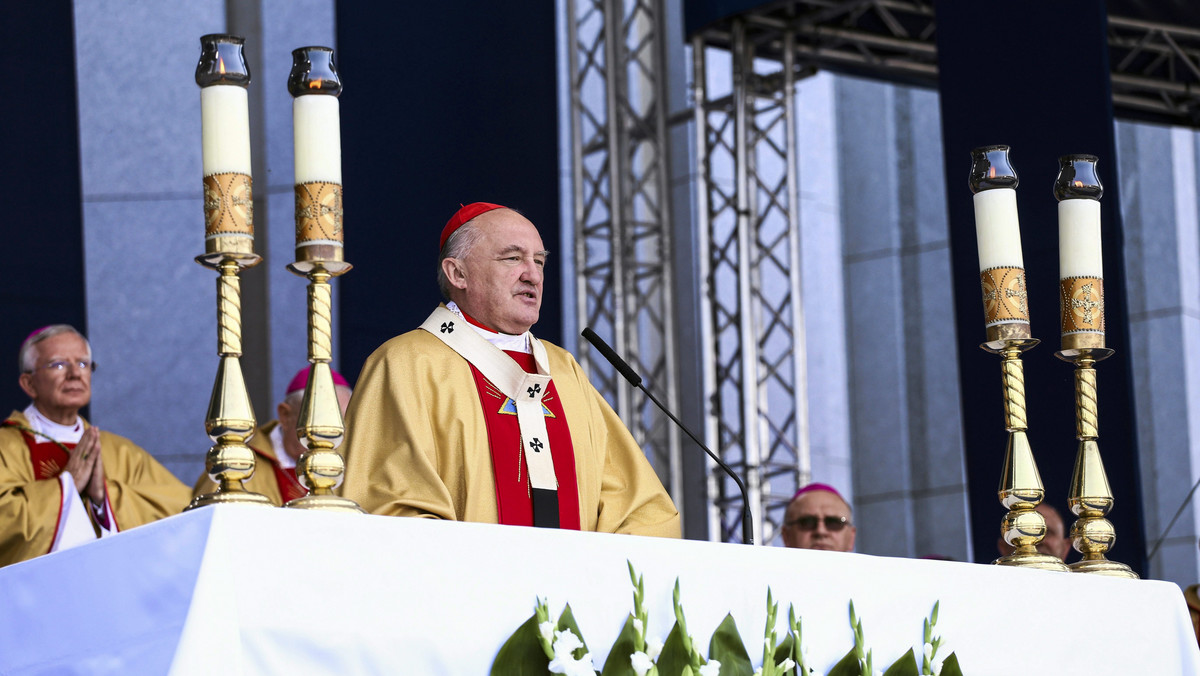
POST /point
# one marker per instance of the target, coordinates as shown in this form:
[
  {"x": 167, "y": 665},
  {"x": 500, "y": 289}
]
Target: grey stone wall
[
  {"x": 1158, "y": 174},
  {"x": 151, "y": 308}
]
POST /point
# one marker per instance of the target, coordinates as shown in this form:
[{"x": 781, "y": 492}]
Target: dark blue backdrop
[
  {"x": 43, "y": 229},
  {"x": 444, "y": 102}
]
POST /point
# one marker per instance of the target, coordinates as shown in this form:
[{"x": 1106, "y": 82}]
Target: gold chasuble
[
  {"x": 418, "y": 444},
  {"x": 140, "y": 490},
  {"x": 271, "y": 479}
]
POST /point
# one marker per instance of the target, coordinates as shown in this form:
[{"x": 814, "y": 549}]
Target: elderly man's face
[
  {"x": 808, "y": 521},
  {"x": 59, "y": 393},
  {"x": 500, "y": 278}
]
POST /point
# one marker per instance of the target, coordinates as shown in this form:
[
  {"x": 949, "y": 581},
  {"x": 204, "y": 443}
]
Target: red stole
[
  {"x": 47, "y": 457},
  {"x": 514, "y": 504},
  {"x": 289, "y": 485}
]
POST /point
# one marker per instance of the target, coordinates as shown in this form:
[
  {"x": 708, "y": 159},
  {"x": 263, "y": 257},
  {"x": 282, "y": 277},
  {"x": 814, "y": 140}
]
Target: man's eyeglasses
[
  {"x": 809, "y": 522},
  {"x": 64, "y": 364}
]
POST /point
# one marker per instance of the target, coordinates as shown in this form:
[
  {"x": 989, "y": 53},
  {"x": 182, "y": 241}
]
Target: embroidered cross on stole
[{"x": 539, "y": 443}]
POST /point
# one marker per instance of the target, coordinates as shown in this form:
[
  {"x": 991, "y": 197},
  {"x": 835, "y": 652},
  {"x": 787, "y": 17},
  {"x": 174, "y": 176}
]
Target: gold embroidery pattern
[
  {"x": 1004, "y": 295},
  {"x": 1081, "y": 301},
  {"x": 318, "y": 212},
  {"x": 228, "y": 205},
  {"x": 49, "y": 468},
  {"x": 509, "y": 407}
]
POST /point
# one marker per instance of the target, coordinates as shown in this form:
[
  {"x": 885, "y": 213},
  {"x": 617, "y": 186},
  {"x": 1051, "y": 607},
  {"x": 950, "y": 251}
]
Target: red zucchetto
[{"x": 463, "y": 215}]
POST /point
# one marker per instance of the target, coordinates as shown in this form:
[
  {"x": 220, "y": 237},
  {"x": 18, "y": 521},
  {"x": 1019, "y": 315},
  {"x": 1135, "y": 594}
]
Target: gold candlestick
[
  {"x": 1081, "y": 304},
  {"x": 1006, "y": 313},
  {"x": 229, "y": 248},
  {"x": 319, "y": 257}
]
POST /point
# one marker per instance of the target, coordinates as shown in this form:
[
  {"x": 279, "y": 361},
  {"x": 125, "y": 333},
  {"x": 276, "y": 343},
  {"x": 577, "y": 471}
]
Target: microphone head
[{"x": 612, "y": 357}]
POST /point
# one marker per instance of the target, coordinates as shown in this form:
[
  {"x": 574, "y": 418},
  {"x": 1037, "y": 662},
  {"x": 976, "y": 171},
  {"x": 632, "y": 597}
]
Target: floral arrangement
[{"x": 543, "y": 645}]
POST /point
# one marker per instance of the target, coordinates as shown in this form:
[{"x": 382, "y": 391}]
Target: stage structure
[
  {"x": 745, "y": 159},
  {"x": 622, "y": 216}
]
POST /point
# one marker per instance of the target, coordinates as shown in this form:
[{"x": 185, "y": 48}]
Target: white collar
[
  {"x": 281, "y": 455},
  {"x": 504, "y": 341},
  {"x": 65, "y": 434}
]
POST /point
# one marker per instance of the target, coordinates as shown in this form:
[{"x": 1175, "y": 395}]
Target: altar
[{"x": 254, "y": 590}]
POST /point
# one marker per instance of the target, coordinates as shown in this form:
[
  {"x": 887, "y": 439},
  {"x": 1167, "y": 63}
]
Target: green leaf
[
  {"x": 567, "y": 621},
  {"x": 848, "y": 666},
  {"x": 618, "y": 663},
  {"x": 674, "y": 657},
  {"x": 905, "y": 666},
  {"x": 727, "y": 648},
  {"x": 950, "y": 666},
  {"x": 522, "y": 652},
  {"x": 784, "y": 649}
]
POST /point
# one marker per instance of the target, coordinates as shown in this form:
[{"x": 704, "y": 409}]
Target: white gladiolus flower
[
  {"x": 786, "y": 664},
  {"x": 928, "y": 650},
  {"x": 653, "y": 648},
  {"x": 713, "y": 668},
  {"x": 937, "y": 668},
  {"x": 638, "y": 626},
  {"x": 546, "y": 629},
  {"x": 641, "y": 663},
  {"x": 566, "y": 642}
]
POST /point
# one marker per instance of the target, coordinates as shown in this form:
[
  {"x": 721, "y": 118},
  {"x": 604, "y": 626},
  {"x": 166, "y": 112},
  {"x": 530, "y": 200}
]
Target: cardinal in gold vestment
[{"x": 440, "y": 425}]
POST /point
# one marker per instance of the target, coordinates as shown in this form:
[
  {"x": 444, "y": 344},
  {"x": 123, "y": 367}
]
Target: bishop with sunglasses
[{"x": 818, "y": 517}]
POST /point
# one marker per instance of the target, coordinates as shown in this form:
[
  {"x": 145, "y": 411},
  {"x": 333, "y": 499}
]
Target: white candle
[
  {"x": 1079, "y": 249},
  {"x": 997, "y": 229},
  {"x": 316, "y": 122},
  {"x": 225, "y": 129}
]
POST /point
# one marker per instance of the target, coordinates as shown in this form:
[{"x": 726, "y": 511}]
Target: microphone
[{"x": 636, "y": 381}]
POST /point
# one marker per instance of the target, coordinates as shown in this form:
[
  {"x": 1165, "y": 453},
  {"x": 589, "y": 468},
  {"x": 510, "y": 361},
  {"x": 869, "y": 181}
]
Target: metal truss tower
[
  {"x": 621, "y": 211},
  {"x": 755, "y": 360}
]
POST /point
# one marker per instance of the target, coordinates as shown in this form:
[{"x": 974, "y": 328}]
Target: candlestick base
[
  {"x": 1035, "y": 560},
  {"x": 328, "y": 503},
  {"x": 1104, "y": 567}
]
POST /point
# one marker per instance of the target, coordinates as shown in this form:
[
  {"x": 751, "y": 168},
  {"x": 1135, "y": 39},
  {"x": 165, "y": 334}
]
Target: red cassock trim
[{"x": 514, "y": 503}]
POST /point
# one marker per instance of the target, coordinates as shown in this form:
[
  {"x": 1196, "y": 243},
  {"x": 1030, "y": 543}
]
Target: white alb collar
[
  {"x": 504, "y": 341},
  {"x": 64, "y": 434}
]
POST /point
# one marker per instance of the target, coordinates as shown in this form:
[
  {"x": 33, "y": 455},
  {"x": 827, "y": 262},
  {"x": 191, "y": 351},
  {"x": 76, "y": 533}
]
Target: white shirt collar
[
  {"x": 504, "y": 341},
  {"x": 64, "y": 434}
]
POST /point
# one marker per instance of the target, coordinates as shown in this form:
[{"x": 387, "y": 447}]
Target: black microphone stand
[{"x": 636, "y": 380}]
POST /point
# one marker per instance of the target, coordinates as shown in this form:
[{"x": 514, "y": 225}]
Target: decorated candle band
[
  {"x": 1005, "y": 303},
  {"x": 1081, "y": 301},
  {"x": 228, "y": 213},
  {"x": 319, "y": 222}
]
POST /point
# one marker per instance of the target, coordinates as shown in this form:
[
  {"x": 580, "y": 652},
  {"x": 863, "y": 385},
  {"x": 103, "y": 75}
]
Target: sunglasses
[{"x": 809, "y": 522}]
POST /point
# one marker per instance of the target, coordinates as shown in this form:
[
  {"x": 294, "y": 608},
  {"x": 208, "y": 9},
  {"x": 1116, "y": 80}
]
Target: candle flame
[
  {"x": 315, "y": 84},
  {"x": 991, "y": 172},
  {"x": 221, "y": 65},
  {"x": 1078, "y": 184}
]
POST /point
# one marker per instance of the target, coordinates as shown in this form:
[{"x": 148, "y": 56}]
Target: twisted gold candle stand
[
  {"x": 1090, "y": 498},
  {"x": 1020, "y": 483},
  {"x": 320, "y": 425},
  {"x": 230, "y": 420}
]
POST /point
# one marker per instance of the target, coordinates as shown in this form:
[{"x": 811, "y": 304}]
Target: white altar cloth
[{"x": 251, "y": 590}]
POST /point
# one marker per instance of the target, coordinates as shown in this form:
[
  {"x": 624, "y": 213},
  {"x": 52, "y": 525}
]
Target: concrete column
[
  {"x": 909, "y": 485},
  {"x": 1158, "y": 174}
]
